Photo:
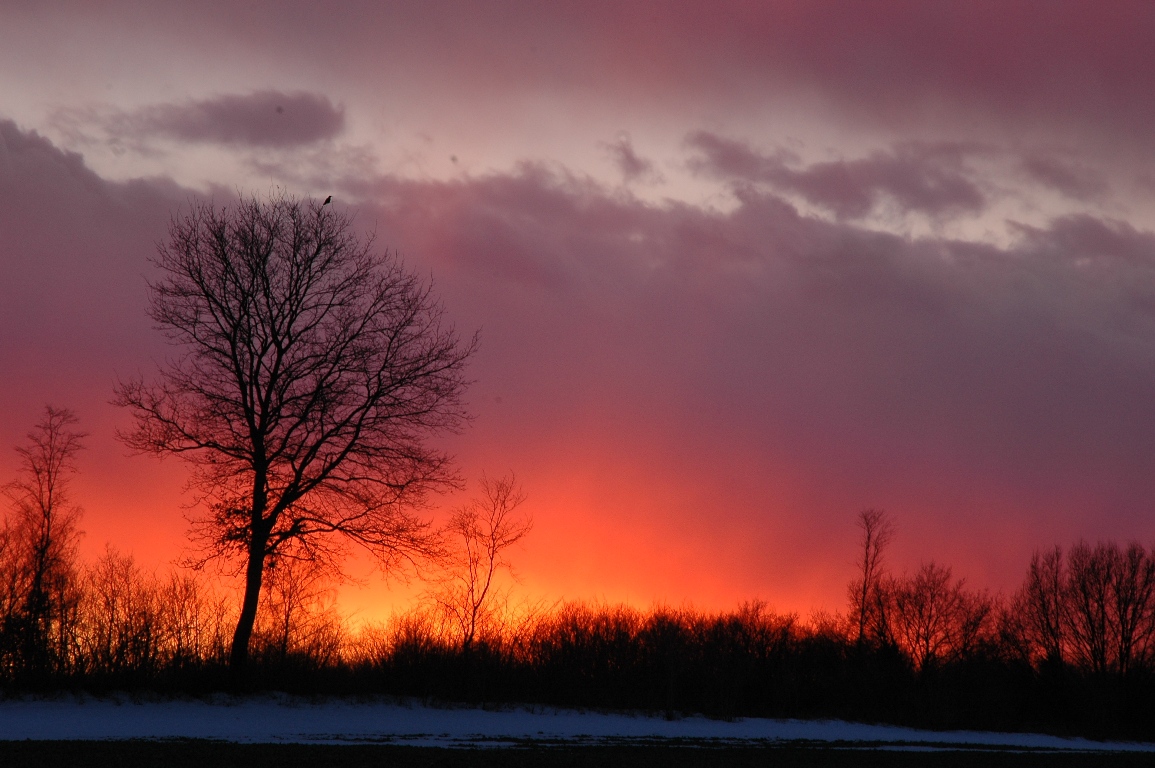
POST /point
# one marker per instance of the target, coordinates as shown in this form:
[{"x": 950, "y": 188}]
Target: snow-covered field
[{"x": 335, "y": 721}]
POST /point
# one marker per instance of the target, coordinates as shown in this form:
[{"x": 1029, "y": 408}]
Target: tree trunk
[{"x": 254, "y": 572}]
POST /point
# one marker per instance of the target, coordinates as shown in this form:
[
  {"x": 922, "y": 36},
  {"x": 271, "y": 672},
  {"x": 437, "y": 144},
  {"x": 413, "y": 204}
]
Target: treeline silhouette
[{"x": 1072, "y": 651}]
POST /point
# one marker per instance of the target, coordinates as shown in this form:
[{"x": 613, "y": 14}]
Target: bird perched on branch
[{"x": 328, "y": 200}]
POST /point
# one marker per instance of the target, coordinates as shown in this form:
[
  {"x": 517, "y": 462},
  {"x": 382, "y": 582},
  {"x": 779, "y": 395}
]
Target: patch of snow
[{"x": 284, "y": 719}]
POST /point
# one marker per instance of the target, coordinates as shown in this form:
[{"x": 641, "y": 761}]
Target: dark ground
[{"x": 209, "y": 754}]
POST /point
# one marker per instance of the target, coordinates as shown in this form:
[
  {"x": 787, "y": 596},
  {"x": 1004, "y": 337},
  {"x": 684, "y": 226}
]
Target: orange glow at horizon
[
  {"x": 597, "y": 537},
  {"x": 604, "y": 532}
]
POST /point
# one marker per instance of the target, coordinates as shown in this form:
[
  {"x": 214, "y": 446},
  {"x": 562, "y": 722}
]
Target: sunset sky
[{"x": 740, "y": 269}]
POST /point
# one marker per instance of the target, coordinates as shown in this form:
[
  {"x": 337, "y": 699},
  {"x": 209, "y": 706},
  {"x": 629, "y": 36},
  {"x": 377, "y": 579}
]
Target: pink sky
[{"x": 740, "y": 269}]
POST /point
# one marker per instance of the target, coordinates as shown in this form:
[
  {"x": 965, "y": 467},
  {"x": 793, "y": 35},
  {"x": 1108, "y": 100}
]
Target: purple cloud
[
  {"x": 928, "y": 179},
  {"x": 1072, "y": 180},
  {"x": 259, "y": 119},
  {"x": 633, "y": 166}
]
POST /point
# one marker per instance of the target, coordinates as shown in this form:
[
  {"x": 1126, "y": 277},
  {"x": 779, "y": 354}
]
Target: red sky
[{"x": 740, "y": 269}]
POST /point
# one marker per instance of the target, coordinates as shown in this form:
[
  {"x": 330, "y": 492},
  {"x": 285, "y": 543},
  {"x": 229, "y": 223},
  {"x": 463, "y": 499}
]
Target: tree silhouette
[
  {"x": 39, "y": 545},
  {"x": 1110, "y": 593},
  {"x": 866, "y": 599},
  {"x": 312, "y": 373},
  {"x": 483, "y": 530},
  {"x": 935, "y": 618},
  {"x": 1040, "y": 607}
]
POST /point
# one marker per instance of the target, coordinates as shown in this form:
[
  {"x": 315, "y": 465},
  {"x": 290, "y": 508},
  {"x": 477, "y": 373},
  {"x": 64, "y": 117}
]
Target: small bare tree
[
  {"x": 484, "y": 529},
  {"x": 121, "y": 629},
  {"x": 299, "y": 617},
  {"x": 866, "y": 598},
  {"x": 194, "y": 619},
  {"x": 40, "y": 541},
  {"x": 313, "y": 371}
]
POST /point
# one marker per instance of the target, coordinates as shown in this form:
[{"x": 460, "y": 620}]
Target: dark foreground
[{"x": 201, "y": 754}]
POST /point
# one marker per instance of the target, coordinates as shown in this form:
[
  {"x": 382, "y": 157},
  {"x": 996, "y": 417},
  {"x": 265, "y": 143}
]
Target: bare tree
[
  {"x": 299, "y": 616},
  {"x": 1096, "y": 609},
  {"x": 194, "y": 620},
  {"x": 313, "y": 371},
  {"x": 121, "y": 630},
  {"x": 935, "y": 618},
  {"x": 1109, "y": 605},
  {"x": 1090, "y": 575},
  {"x": 40, "y": 542},
  {"x": 1133, "y": 593},
  {"x": 866, "y": 599},
  {"x": 1040, "y": 607},
  {"x": 484, "y": 529}
]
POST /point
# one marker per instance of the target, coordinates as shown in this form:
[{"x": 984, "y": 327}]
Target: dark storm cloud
[
  {"x": 259, "y": 119},
  {"x": 928, "y": 179}
]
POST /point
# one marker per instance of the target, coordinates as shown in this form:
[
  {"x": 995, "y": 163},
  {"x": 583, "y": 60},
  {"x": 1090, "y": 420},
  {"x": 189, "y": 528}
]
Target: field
[
  {"x": 285, "y": 731},
  {"x": 199, "y": 753}
]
